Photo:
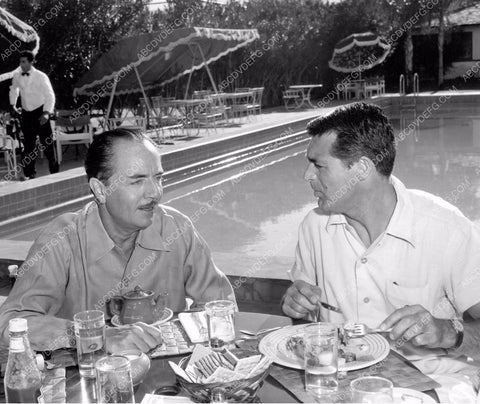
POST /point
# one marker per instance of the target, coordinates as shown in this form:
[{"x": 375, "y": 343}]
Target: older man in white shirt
[
  {"x": 38, "y": 101},
  {"x": 382, "y": 254}
]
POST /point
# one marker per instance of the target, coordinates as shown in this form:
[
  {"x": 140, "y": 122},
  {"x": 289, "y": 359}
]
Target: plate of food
[{"x": 285, "y": 347}]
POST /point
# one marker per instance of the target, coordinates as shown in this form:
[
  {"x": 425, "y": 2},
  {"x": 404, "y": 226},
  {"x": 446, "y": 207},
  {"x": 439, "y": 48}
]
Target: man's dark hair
[
  {"x": 362, "y": 130},
  {"x": 27, "y": 54},
  {"x": 100, "y": 154}
]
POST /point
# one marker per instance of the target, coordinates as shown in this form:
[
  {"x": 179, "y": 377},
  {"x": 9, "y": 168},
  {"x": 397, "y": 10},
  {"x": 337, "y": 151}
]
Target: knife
[{"x": 331, "y": 308}]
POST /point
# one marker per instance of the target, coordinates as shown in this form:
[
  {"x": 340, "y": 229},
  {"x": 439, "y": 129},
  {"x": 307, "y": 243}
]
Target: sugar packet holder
[{"x": 208, "y": 366}]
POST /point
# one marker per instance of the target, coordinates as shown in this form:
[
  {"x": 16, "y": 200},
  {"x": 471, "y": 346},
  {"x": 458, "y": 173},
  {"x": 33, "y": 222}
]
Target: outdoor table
[
  {"x": 359, "y": 88},
  {"x": 306, "y": 90},
  {"x": 82, "y": 390}
]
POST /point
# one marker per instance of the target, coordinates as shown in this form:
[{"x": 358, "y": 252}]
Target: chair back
[{"x": 242, "y": 89}]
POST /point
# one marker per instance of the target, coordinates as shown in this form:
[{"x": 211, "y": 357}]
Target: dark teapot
[{"x": 137, "y": 305}]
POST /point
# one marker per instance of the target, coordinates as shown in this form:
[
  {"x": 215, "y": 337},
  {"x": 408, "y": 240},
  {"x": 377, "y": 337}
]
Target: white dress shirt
[
  {"x": 34, "y": 89},
  {"x": 429, "y": 255}
]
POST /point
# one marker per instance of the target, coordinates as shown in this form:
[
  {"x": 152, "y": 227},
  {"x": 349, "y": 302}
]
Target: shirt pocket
[{"x": 399, "y": 294}]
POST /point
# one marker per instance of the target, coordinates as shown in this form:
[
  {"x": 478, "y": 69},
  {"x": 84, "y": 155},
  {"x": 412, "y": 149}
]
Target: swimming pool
[{"x": 249, "y": 214}]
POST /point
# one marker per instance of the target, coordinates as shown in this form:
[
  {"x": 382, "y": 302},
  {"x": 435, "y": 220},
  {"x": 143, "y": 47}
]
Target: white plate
[
  {"x": 401, "y": 395},
  {"x": 167, "y": 315},
  {"x": 195, "y": 325},
  {"x": 373, "y": 346}
]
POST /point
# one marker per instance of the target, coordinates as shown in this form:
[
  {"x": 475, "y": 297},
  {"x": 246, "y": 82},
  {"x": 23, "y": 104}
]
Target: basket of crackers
[{"x": 238, "y": 373}]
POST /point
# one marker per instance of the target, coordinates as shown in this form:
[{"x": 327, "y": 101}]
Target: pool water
[{"x": 249, "y": 214}]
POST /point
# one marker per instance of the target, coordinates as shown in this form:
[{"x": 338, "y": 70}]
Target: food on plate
[{"x": 349, "y": 350}]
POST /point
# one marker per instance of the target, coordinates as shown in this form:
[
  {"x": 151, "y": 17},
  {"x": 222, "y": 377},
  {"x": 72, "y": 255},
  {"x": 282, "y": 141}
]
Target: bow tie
[{"x": 25, "y": 74}]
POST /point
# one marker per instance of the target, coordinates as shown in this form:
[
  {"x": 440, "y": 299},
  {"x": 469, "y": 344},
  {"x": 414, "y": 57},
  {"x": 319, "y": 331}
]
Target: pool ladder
[{"x": 408, "y": 105}]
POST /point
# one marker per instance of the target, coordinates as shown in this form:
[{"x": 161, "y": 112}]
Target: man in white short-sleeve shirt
[{"x": 385, "y": 255}]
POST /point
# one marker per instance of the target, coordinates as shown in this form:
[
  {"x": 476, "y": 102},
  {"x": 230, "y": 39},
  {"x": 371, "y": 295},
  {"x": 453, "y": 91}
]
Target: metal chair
[{"x": 71, "y": 131}]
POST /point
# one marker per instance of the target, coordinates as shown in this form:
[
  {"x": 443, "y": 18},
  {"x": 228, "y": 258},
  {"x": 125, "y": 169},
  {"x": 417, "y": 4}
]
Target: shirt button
[
  {"x": 363, "y": 260},
  {"x": 366, "y": 300}
]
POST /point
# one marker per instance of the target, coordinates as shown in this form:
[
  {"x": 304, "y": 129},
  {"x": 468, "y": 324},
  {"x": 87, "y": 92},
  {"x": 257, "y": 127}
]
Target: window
[{"x": 462, "y": 46}]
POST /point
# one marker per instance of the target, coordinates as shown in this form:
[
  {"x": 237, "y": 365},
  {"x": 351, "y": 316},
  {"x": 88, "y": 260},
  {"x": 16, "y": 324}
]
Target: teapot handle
[{"x": 115, "y": 304}]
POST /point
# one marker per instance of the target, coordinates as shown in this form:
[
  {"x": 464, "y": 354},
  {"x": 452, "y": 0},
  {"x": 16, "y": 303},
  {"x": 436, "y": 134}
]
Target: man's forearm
[
  {"x": 471, "y": 340},
  {"x": 47, "y": 333}
]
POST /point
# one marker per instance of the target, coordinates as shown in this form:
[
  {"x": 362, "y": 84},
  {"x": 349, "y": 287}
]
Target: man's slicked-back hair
[
  {"x": 27, "y": 54},
  {"x": 99, "y": 162},
  {"x": 362, "y": 130}
]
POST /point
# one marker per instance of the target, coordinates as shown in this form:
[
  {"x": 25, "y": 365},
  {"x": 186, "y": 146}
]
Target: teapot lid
[{"x": 138, "y": 292}]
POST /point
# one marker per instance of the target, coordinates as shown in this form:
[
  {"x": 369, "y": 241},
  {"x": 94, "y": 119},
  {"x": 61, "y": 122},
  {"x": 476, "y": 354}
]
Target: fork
[{"x": 360, "y": 330}]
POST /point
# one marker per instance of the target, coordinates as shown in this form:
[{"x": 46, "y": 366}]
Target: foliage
[{"x": 296, "y": 38}]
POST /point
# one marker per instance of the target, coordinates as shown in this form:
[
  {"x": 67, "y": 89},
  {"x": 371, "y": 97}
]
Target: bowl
[
  {"x": 240, "y": 391},
  {"x": 139, "y": 362}
]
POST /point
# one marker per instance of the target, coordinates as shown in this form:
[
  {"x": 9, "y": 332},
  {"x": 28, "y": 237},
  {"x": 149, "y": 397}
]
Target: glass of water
[
  {"x": 220, "y": 321},
  {"x": 90, "y": 340},
  {"x": 321, "y": 358},
  {"x": 372, "y": 389},
  {"x": 114, "y": 380}
]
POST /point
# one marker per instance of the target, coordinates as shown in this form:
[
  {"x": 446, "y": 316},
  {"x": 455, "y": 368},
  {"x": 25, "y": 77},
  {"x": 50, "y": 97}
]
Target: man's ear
[
  {"x": 98, "y": 189},
  {"x": 364, "y": 168}
]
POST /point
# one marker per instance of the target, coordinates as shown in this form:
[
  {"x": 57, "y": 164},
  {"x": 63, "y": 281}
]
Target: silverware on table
[
  {"x": 360, "y": 330},
  {"x": 256, "y": 334}
]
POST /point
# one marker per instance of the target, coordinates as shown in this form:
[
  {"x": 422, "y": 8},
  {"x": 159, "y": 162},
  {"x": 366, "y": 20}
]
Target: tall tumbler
[
  {"x": 90, "y": 339},
  {"x": 321, "y": 358},
  {"x": 114, "y": 380}
]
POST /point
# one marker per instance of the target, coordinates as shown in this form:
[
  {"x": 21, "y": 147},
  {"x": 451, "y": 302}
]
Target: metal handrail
[
  {"x": 401, "y": 84},
  {"x": 416, "y": 84}
]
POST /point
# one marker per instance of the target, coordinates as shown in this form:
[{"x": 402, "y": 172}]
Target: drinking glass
[
  {"x": 221, "y": 325},
  {"x": 114, "y": 380},
  {"x": 321, "y": 358},
  {"x": 372, "y": 389},
  {"x": 90, "y": 340}
]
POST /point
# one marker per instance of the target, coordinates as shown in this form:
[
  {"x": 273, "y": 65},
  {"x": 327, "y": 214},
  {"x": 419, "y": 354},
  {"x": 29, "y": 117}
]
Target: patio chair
[
  {"x": 243, "y": 105},
  {"x": 292, "y": 98},
  {"x": 257, "y": 99},
  {"x": 68, "y": 130},
  {"x": 8, "y": 147},
  {"x": 354, "y": 90}
]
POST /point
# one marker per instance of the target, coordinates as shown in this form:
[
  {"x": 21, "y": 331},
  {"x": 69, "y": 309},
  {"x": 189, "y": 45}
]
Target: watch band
[{"x": 458, "y": 326}]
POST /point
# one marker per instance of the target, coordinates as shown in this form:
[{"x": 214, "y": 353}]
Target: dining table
[
  {"x": 274, "y": 389},
  {"x": 306, "y": 93}
]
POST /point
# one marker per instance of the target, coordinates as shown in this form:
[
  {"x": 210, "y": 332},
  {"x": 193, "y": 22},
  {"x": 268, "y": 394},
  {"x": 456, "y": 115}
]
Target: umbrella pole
[
  {"x": 110, "y": 101},
  {"x": 147, "y": 103},
  {"x": 208, "y": 70}
]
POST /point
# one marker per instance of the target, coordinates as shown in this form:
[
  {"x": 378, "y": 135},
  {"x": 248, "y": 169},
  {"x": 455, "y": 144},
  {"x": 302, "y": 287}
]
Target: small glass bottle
[
  {"x": 22, "y": 377},
  {"x": 218, "y": 396}
]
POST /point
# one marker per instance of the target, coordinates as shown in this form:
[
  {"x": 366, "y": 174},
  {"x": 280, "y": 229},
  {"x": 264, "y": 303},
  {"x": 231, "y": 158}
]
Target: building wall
[{"x": 458, "y": 69}]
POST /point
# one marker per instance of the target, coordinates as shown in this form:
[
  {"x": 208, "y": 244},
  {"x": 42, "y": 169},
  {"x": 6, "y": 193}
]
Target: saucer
[
  {"x": 166, "y": 315},
  {"x": 402, "y": 395}
]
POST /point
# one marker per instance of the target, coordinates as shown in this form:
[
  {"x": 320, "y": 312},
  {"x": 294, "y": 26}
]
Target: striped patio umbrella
[
  {"x": 359, "y": 52},
  {"x": 15, "y": 36}
]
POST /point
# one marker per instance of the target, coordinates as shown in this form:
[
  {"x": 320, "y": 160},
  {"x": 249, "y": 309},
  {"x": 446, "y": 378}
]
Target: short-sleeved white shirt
[{"x": 429, "y": 255}]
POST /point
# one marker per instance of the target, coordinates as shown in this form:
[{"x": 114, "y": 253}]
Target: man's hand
[
  {"x": 44, "y": 118},
  {"x": 300, "y": 299},
  {"x": 416, "y": 324},
  {"x": 136, "y": 336}
]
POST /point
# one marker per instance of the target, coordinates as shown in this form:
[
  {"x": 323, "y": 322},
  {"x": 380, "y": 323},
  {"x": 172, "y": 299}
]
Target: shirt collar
[
  {"x": 99, "y": 242},
  {"x": 402, "y": 221}
]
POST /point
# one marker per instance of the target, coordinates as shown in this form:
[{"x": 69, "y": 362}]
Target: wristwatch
[{"x": 458, "y": 327}]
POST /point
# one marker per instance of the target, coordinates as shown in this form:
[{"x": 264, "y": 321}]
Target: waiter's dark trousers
[{"x": 31, "y": 128}]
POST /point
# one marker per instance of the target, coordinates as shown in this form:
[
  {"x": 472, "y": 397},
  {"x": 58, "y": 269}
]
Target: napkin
[{"x": 195, "y": 325}]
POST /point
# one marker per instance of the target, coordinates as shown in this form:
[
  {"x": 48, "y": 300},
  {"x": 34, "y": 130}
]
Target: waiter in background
[{"x": 38, "y": 101}]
